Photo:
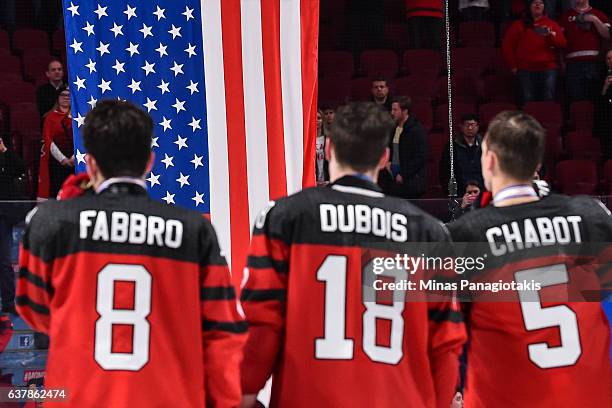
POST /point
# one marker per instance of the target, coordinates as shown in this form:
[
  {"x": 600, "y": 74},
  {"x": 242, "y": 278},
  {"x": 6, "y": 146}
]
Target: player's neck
[
  {"x": 336, "y": 172},
  {"x": 509, "y": 191}
]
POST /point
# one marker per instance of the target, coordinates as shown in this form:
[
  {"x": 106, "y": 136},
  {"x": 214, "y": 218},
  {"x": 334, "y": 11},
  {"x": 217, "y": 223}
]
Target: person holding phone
[{"x": 530, "y": 47}]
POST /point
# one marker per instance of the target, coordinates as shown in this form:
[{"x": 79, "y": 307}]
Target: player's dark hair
[
  {"x": 118, "y": 135},
  {"x": 404, "y": 102},
  {"x": 380, "y": 78},
  {"x": 518, "y": 140},
  {"x": 360, "y": 134}
]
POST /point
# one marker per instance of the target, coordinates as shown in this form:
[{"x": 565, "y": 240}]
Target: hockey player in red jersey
[
  {"x": 549, "y": 346},
  {"x": 310, "y": 326},
  {"x": 134, "y": 294}
]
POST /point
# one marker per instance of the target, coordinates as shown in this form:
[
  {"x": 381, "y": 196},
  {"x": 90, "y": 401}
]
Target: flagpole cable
[{"x": 452, "y": 183}]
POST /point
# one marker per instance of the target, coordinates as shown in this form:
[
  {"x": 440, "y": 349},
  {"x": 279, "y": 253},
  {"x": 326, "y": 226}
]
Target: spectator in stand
[
  {"x": 585, "y": 28},
  {"x": 466, "y": 152},
  {"x": 321, "y": 163},
  {"x": 472, "y": 191},
  {"x": 57, "y": 157},
  {"x": 425, "y": 18},
  {"x": 408, "y": 145},
  {"x": 603, "y": 111},
  {"x": 380, "y": 93},
  {"x": 474, "y": 10},
  {"x": 11, "y": 169},
  {"x": 328, "y": 115},
  {"x": 46, "y": 95},
  {"x": 530, "y": 48}
]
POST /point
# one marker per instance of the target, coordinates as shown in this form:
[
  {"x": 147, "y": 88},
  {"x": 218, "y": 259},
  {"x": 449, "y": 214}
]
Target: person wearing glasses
[
  {"x": 57, "y": 155},
  {"x": 466, "y": 153}
]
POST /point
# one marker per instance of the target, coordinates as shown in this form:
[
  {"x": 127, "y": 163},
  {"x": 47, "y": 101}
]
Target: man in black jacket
[
  {"x": 46, "y": 94},
  {"x": 408, "y": 153},
  {"x": 466, "y": 152}
]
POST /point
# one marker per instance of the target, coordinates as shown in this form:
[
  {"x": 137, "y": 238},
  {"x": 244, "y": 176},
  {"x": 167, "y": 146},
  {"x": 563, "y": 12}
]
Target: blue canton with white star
[{"x": 148, "y": 52}]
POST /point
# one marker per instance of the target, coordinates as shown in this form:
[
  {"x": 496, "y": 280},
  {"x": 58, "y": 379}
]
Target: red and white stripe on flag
[{"x": 261, "y": 90}]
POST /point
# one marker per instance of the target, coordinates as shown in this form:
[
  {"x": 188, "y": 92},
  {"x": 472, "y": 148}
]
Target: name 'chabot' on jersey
[
  {"x": 535, "y": 232},
  {"x": 132, "y": 228},
  {"x": 363, "y": 219}
]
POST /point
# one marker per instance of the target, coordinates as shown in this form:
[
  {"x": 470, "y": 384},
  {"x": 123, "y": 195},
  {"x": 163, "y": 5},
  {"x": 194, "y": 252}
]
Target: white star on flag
[
  {"x": 92, "y": 102},
  {"x": 150, "y": 105},
  {"x": 117, "y": 29},
  {"x": 91, "y": 66},
  {"x": 164, "y": 87},
  {"x": 146, "y": 31},
  {"x": 179, "y": 106},
  {"x": 188, "y": 13},
  {"x": 175, "y": 31},
  {"x": 178, "y": 69},
  {"x": 79, "y": 120},
  {"x": 190, "y": 50},
  {"x": 73, "y": 9},
  {"x": 101, "y": 12},
  {"x": 80, "y": 157},
  {"x": 89, "y": 28},
  {"x": 149, "y": 68},
  {"x": 119, "y": 66},
  {"x": 183, "y": 179},
  {"x": 162, "y": 50},
  {"x": 169, "y": 198},
  {"x": 166, "y": 124},
  {"x": 132, "y": 49},
  {"x": 76, "y": 46},
  {"x": 181, "y": 142},
  {"x": 193, "y": 87},
  {"x": 130, "y": 12},
  {"x": 198, "y": 198},
  {"x": 154, "y": 142},
  {"x": 153, "y": 179},
  {"x": 197, "y": 161},
  {"x": 135, "y": 86},
  {"x": 160, "y": 13},
  {"x": 80, "y": 83},
  {"x": 105, "y": 86},
  {"x": 168, "y": 160},
  {"x": 195, "y": 124},
  {"x": 103, "y": 48}
]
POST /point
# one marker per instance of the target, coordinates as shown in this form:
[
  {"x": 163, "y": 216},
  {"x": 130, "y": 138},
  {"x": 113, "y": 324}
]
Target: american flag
[{"x": 231, "y": 87}]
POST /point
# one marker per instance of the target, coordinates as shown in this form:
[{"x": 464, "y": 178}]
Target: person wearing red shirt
[
  {"x": 57, "y": 156},
  {"x": 424, "y": 19},
  {"x": 530, "y": 48},
  {"x": 585, "y": 28}
]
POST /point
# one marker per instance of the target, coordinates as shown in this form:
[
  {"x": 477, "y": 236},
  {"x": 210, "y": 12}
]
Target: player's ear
[
  {"x": 384, "y": 159},
  {"x": 150, "y": 163},
  {"x": 327, "y": 149},
  {"x": 91, "y": 165}
]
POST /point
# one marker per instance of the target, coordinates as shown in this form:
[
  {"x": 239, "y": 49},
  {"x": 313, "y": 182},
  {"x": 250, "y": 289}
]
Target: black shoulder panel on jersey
[
  {"x": 55, "y": 229},
  {"x": 297, "y": 219}
]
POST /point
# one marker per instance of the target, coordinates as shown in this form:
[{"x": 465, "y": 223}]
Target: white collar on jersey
[
  {"x": 114, "y": 180},
  {"x": 357, "y": 190}
]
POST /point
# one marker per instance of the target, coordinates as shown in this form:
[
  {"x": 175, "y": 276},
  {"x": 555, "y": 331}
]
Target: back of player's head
[
  {"x": 360, "y": 135},
  {"x": 119, "y": 136},
  {"x": 518, "y": 140}
]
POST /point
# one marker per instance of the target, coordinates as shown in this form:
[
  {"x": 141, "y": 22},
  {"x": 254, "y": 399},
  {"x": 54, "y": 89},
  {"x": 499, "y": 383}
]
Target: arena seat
[
  {"x": 28, "y": 39},
  {"x": 423, "y": 112},
  {"x": 35, "y": 65},
  {"x": 500, "y": 87},
  {"x": 466, "y": 89},
  {"x": 459, "y": 109},
  {"x": 489, "y": 110},
  {"x": 419, "y": 88},
  {"x": 361, "y": 89},
  {"x": 376, "y": 62},
  {"x": 473, "y": 60},
  {"x": 17, "y": 92},
  {"x": 582, "y": 145},
  {"x": 58, "y": 41},
  {"x": 336, "y": 63},
  {"x": 396, "y": 35},
  {"x": 334, "y": 88},
  {"x": 581, "y": 115},
  {"x": 10, "y": 65},
  {"x": 419, "y": 62},
  {"x": 576, "y": 177},
  {"x": 24, "y": 118},
  {"x": 607, "y": 177},
  {"x": 4, "y": 40},
  {"x": 548, "y": 113},
  {"x": 476, "y": 34}
]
